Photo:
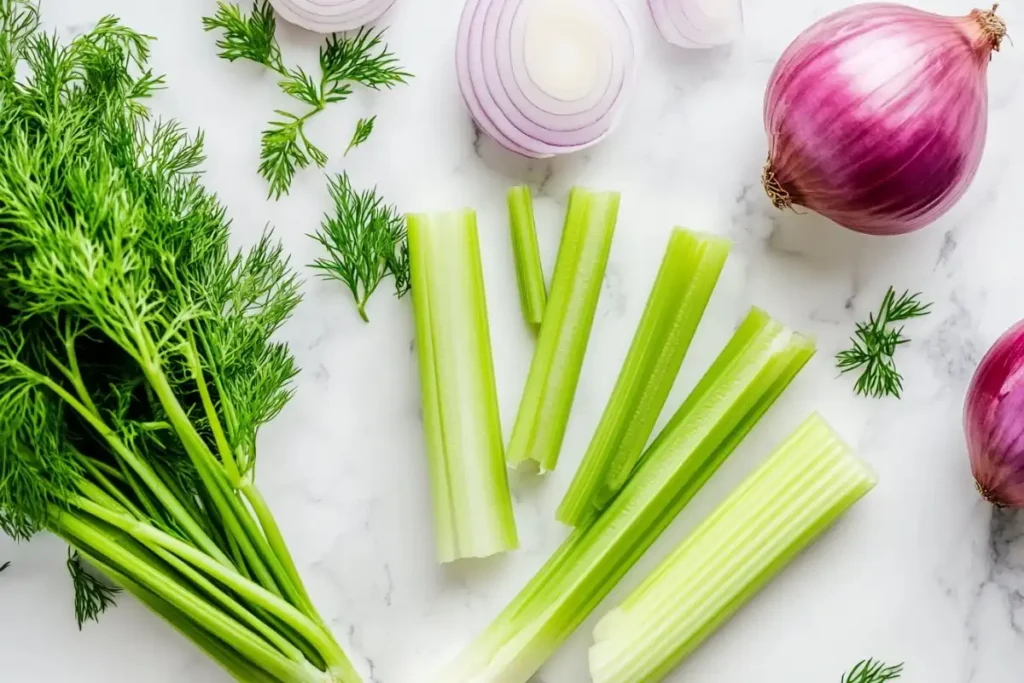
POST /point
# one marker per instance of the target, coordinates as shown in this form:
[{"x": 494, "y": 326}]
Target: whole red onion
[
  {"x": 876, "y": 115},
  {"x": 994, "y": 421}
]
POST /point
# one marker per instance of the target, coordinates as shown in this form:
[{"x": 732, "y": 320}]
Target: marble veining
[{"x": 922, "y": 571}]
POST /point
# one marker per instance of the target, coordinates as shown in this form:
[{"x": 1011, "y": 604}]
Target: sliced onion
[
  {"x": 698, "y": 24},
  {"x": 544, "y": 77},
  {"x": 331, "y": 16}
]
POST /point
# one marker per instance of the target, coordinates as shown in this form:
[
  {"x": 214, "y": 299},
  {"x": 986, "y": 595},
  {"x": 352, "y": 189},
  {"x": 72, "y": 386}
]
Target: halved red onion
[
  {"x": 698, "y": 24},
  {"x": 331, "y": 16},
  {"x": 544, "y": 77}
]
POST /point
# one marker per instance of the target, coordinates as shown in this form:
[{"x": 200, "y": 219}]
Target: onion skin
[
  {"x": 877, "y": 115},
  {"x": 994, "y": 421}
]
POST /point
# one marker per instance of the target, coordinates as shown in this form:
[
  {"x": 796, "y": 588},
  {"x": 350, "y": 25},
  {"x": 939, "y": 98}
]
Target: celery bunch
[
  {"x": 137, "y": 361},
  {"x": 754, "y": 368}
]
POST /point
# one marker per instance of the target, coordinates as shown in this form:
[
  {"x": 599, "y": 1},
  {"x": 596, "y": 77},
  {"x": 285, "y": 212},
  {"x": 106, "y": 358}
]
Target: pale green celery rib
[
  {"x": 469, "y": 482},
  {"x": 562, "y": 343},
  {"x": 756, "y": 366},
  {"x": 533, "y": 294},
  {"x": 685, "y": 281},
  {"x": 808, "y": 483}
]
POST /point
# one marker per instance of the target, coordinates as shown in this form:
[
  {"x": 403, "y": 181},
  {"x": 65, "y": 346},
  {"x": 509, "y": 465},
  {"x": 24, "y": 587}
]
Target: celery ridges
[
  {"x": 557, "y": 361},
  {"x": 757, "y": 364},
  {"x": 533, "y": 294},
  {"x": 472, "y": 503},
  {"x": 685, "y": 281},
  {"x": 810, "y": 481}
]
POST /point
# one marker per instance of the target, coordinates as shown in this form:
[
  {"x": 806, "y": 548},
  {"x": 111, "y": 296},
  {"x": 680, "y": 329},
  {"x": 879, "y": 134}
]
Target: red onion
[
  {"x": 876, "y": 115},
  {"x": 331, "y": 16},
  {"x": 994, "y": 421},
  {"x": 544, "y": 77},
  {"x": 698, "y": 23}
]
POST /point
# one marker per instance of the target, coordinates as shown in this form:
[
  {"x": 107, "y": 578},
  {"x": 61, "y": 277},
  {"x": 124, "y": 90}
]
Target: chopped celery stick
[
  {"x": 757, "y": 364},
  {"x": 533, "y": 294},
  {"x": 688, "y": 275},
  {"x": 810, "y": 481},
  {"x": 575, "y": 288},
  {"x": 472, "y": 503}
]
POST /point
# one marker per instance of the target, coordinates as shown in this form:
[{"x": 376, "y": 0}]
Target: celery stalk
[
  {"x": 533, "y": 294},
  {"x": 808, "y": 483},
  {"x": 685, "y": 281},
  {"x": 755, "y": 367},
  {"x": 575, "y": 288},
  {"x": 469, "y": 482}
]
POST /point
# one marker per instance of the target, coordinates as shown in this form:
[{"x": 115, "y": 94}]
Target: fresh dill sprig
[
  {"x": 365, "y": 241},
  {"x": 362, "y": 59},
  {"x": 252, "y": 37},
  {"x": 92, "y": 596},
  {"x": 871, "y": 671},
  {"x": 875, "y": 343},
  {"x": 364, "y": 128}
]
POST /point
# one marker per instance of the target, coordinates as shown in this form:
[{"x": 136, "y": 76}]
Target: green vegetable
[
  {"x": 364, "y": 128},
  {"x": 533, "y": 293},
  {"x": 685, "y": 281},
  {"x": 4, "y": 566},
  {"x": 137, "y": 361},
  {"x": 472, "y": 503},
  {"x": 870, "y": 671},
  {"x": 365, "y": 242},
  {"x": 92, "y": 596},
  {"x": 750, "y": 373},
  {"x": 344, "y": 60},
  {"x": 875, "y": 344},
  {"x": 805, "y": 486},
  {"x": 551, "y": 385}
]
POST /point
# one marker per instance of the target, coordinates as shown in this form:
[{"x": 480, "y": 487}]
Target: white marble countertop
[{"x": 920, "y": 571}]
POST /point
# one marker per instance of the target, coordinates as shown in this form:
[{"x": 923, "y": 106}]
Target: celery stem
[
  {"x": 791, "y": 499},
  {"x": 565, "y": 331},
  {"x": 529, "y": 271},
  {"x": 465, "y": 453},
  {"x": 687, "y": 277}
]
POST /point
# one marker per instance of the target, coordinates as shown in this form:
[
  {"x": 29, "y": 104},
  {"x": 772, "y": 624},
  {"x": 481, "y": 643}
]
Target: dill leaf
[
  {"x": 364, "y": 128},
  {"x": 252, "y": 37},
  {"x": 365, "y": 241},
  {"x": 874, "y": 344},
  {"x": 871, "y": 671},
  {"x": 92, "y": 596}
]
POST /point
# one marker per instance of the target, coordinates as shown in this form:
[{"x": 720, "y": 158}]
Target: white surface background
[{"x": 921, "y": 571}]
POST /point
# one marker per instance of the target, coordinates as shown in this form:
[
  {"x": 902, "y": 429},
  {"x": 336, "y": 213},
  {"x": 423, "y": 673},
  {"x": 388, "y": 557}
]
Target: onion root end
[{"x": 779, "y": 195}]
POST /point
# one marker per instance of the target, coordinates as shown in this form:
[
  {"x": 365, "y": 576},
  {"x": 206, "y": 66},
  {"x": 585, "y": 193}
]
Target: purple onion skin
[
  {"x": 994, "y": 421},
  {"x": 877, "y": 115}
]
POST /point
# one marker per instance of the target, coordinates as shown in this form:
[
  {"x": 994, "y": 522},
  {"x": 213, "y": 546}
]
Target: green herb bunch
[
  {"x": 361, "y": 59},
  {"x": 875, "y": 343},
  {"x": 137, "y": 359}
]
